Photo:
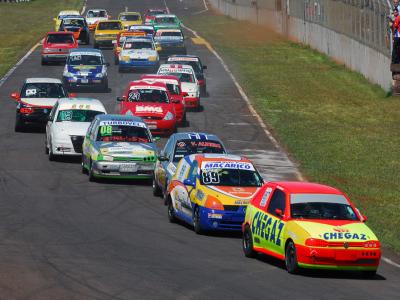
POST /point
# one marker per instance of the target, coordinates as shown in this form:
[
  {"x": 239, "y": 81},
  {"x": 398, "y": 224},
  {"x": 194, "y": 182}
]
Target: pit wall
[{"x": 371, "y": 62}]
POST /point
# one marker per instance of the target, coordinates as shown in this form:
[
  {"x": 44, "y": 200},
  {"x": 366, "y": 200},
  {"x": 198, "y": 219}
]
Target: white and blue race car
[{"x": 138, "y": 52}]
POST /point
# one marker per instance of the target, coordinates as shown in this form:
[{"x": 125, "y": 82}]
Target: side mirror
[
  {"x": 163, "y": 158},
  {"x": 204, "y": 67},
  {"x": 15, "y": 96},
  {"x": 279, "y": 212},
  {"x": 156, "y": 138},
  {"x": 364, "y": 218},
  {"x": 121, "y": 99},
  {"x": 185, "y": 94},
  {"x": 49, "y": 118},
  {"x": 73, "y": 95},
  {"x": 189, "y": 182}
]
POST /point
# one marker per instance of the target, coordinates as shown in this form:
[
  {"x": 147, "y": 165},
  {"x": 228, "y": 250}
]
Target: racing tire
[
  {"x": 291, "y": 258},
  {"x": 46, "y": 149},
  {"x": 171, "y": 212},
  {"x": 248, "y": 243},
  {"x": 19, "y": 125},
  {"x": 156, "y": 189},
  {"x": 52, "y": 157},
  {"x": 369, "y": 274},
  {"x": 92, "y": 178},
  {"x": 83, "y": 170},
  {"x": 43, "y": 62},
  {"x": 196, "y": 221}
]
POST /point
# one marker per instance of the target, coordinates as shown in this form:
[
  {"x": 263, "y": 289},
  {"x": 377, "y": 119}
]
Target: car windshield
[
  {"x": 84, "y": 59},
  {"x": 194, "y": 64},
  {"x": 123, "y": 133},
  {"x": 173, "y": 89},
  {"x": 230, "y": 177},
  {"x": 166, "y": 34},
  {"x": 321, "y": 206},
  {"x": 96, "y": 14},
  {"x": 147, "y": 95},
  {"x": 129, "y": 17},
  {"x": 162, "y": 20},
  {"x": 183, "y": 77},
  {"x": 148, "y": 31},
  {"x": 155, "y": 12},
  {"x": 73, "y": 22},
  {"x": 109, "y": 26},
  {"x": 43, "y": 90},
  {"x": 77, "y": 115},
  {"x": 188, "y": 147},
  {"x": 138, "y": 45},
  {"x": 60, "y": 39}
]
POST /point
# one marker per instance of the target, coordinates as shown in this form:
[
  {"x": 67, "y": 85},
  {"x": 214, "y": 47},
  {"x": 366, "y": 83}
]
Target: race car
[
  {"x": 36, "y": 99},
  {"x": 309, "y": 225},
  {"x": 150, "y": 101},
  {"x": 138, "y": 53},
  {"x": 118, "y": 146},
  {"x": 178, "y": 146},
  {"x": 150, "y": 14},
  {"x": 166, "y": 22},
  {"x": 78, "y": 26},
  {"x": 187, "y": 77},
  {"x": 67, "y": 125},
  {"x": 148, "y": 29},
  {"x": 62, "y": 14},
  {"x": 130, "y": 18},
  {"x": 106, "y": 33},
  {"x": 175, "y": 92},
  {"x": 171, "y": 42},
  {"x": 86, "y": 68},
  {"x": 197, "y": 66},
  {"x": 121, "y": 39},
  {"x": 93, "y": 16},
  {"x": 56, "y": 46},
  {"x": 212, "y": 191}
]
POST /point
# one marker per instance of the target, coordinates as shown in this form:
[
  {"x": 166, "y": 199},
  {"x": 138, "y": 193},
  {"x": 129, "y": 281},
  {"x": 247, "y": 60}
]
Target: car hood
[
  {"x": 166, "y": 25},
  {"x": 123, "y": 149},
  {"x": 169, "y": 39},
  {"x": 41, "y": 102},
  {"x": 85, "y": 70},
  {"x": 189, "y": 87},
  {"x": 71, "y": 128},
  {"x": 101, "y": 32},
  {"x": 95, "y": 20},
  {"x": 337, "y": 230},
  {"x": 231, "y": 195},
  {"x": 139, "y": 53},
  {"x": 145, "y": 109}
]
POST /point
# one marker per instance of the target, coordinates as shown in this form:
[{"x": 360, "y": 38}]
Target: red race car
[
  {"x": 152, "y": 102},
  {"x": 152, "y": 12},
  {"x": 56, "y": 46},
  {"x": 175, "y": 90}
]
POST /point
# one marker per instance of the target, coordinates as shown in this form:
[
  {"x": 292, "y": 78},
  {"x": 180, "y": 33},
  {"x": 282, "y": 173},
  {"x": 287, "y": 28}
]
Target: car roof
[
  {"x": 176, "y": 67},
  {"x": 92, "y": 50},
  {"x": 42, "y": 80},
  {"x": 306, "y": 187},
  {"x": 196, "y": 136},
  {"x": 113, "y": 117},
  {"x": 166, "y": 15},
  {"x": 183, "y": 57},
  {"x": 60, "y": 32},
  {"x": 70, "y": 102},
  {"x": 109, "y": 21},
  {"x": 159, "y": 76},
  {"x": 130, "y": 13},
  {"x": 97, "y": 9},
  {"x": 138, "y": 39},
  {"x": 74, "y": 18},
  {"x": 169, "y": 30},
  {"x": 68, "y": 12},
  {"x": 148, "y": 83},
  {"x": 142, "y": 26},
  {"x": 218, "y": 157}
]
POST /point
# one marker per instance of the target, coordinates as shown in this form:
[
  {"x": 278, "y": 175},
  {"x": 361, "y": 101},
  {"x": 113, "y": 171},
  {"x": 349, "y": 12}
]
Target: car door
[
  {"x": 50, "y": 124},
  {"x": 190, "y": 184},
  {"x": 268, "y": 223},
  {"x": 86, "y": 147}
]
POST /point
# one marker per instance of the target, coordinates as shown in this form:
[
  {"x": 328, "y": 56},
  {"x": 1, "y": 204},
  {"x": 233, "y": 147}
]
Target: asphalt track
[{"x": 65, "y": 238}]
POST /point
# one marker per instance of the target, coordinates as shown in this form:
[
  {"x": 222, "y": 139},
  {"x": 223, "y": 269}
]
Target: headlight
[
  {"x": 169, "y": 116},
  {"x": 153, "y": 58},
  {"x": 99, "y": 75},
  {"x": 106, "y": 158},
  {"x": 125, "y": 58}
]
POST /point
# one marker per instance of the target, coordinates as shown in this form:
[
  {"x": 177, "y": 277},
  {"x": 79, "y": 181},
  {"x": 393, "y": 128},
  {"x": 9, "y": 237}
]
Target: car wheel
[
  {"x": 19, "y": 125},
  {"x": 248, "y": 243},
  {"x": 171, "y": 212},
  {"x": 291, "y": 258},
  {"x": 46, "y": 149},
  {"x": 156, "y": 189},
  {"x": 369, "y": 274},
  {"x": 184, "y": 120},
  {"x": 116, "y": 60},
  {"x": 84, "y": 171},
  {"x": 43, "y": 62},
  {"x": 52, "y": 157},
  {"x": 92, "y": 178},
  {"x": 196, "y": 221}
]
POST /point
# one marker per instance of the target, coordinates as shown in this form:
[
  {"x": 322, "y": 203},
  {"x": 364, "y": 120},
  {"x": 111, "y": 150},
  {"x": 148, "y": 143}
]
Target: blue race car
[
  {"x": 179, "y": 145},
  {"x": 86, "y": 68}
]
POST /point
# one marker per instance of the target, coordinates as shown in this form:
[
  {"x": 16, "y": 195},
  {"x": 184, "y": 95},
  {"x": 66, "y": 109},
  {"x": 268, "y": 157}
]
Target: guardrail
[{"x": 352, "y": 31}]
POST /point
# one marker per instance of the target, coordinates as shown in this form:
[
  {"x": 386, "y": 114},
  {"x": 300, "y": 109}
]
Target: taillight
[
  {"x": 26, "y": 110},
  {"x": 213, "y": 203},
  {"x": 316, "y": 243},
  {"x": 372, "y": 244}
]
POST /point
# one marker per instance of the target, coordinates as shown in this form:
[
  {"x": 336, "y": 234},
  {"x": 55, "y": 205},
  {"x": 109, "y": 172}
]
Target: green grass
[
  {"x": 343, "y": 130},
  {"x": 24, "y": 24}
]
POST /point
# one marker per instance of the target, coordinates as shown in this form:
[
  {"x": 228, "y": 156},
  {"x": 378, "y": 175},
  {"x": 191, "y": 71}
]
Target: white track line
[
  {"x": 11, "y": 71},
  {"x": 254, "y": 112}
]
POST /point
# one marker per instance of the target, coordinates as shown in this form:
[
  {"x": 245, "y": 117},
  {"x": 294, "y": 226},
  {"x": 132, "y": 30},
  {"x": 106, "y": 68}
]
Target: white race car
[
  {"x": 190, "y": 84},
  {"x": 138, "y": 52},
  {"x": 93, "y": 16},
  {"x": 68, "y": 123}
]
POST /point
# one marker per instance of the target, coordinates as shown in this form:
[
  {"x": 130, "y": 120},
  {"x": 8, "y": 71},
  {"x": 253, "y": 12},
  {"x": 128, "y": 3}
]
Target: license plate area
[
  {"x": 128, "y": 168},
  {"x": 83, "y": 80}
]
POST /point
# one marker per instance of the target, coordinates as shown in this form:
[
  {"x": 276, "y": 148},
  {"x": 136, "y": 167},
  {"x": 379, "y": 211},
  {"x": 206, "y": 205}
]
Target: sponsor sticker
[{"x": 208, "y": 165}]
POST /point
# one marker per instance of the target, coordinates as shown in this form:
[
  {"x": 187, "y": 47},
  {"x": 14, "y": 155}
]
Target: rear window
[
  {"x": 109, "y": 26},
  {"x": 129, "y": 18},
  {"x": 96, "y": 14},
  {"x": 60, "y": 39}
]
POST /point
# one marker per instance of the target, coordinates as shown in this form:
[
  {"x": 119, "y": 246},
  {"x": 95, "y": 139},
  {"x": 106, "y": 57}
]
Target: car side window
[
  {"x": 193, "y": 172},
  {"x": 93, "y": 132},
  {"x": 278, "y": 201},
  {"x": 53, "y": 112}
]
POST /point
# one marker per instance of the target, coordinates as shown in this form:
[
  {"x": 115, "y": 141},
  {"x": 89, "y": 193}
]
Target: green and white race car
[{"x": 117, "y": 146}]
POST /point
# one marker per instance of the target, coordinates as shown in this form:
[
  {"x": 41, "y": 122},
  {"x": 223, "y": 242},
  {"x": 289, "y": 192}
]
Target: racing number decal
[
  {"x": 134, "y": 96},
  {"x": 210, "y": 177},
  {"x": 106, "y": 130}
]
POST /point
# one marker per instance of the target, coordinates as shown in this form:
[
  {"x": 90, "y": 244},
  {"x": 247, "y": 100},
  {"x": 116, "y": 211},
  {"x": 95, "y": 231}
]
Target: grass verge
[
  {"x": 23, "y": 24},
  {"x": 343, "y": 130}
]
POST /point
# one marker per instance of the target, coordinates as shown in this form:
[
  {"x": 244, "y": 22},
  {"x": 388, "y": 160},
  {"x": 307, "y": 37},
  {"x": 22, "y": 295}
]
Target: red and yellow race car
[
  {"x": 309, "y": 225},
  {"x": 152, "y": 102},
  {"x": 57, "y": 45}
]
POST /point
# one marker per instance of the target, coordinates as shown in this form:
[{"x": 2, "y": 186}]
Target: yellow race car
[
  {"x": 106, "y": 33},
  {"x": 130, "y": 18},
  {"x": 63, "y": 14}
]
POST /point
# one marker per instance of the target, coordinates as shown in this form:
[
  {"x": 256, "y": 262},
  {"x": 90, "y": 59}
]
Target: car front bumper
[
  {"x": 211, "y": 219},
  {"x": 84, "y": 82},
  {"x": 123, "y": 169},
  {"x": 133, "y": 64}
]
